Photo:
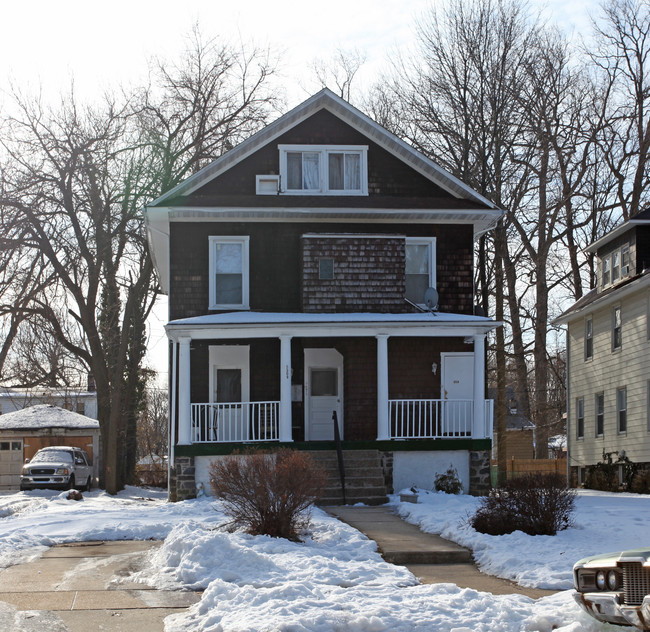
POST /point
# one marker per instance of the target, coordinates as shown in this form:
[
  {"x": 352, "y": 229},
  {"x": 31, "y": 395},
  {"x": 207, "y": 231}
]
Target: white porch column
[
  {"x": 184, "y": 399},
  {"x": 285, "y": 389},
  {"x": 383, "y": 430},
  {"x": 478, "y": 427}
]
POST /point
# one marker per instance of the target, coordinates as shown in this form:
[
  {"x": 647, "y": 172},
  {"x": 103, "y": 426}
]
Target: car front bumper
[
  {"x": 44, "y": 482},
  {"x": 607, "y": 607}
]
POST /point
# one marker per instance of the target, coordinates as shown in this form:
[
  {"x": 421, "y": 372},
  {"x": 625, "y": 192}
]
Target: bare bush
[
  {"x": 534, "y": 504},
  {"x": 268, "y": 494}
]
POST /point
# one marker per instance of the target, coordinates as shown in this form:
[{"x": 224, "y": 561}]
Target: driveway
[{"x": 82, "y": 586}]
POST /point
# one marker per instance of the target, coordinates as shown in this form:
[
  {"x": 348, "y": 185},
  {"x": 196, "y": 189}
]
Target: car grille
[
  {"x": 41, "y": 470},
  {"x": 636, "y": 582}
]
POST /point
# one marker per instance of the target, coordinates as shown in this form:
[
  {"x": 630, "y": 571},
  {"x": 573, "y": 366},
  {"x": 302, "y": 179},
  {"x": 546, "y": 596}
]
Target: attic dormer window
[{"x": 323, "y": 169}]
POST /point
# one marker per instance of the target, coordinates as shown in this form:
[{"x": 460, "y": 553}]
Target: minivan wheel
[
  {"x": 71, "y": 482},
  {"x": 89, "y": 484}
]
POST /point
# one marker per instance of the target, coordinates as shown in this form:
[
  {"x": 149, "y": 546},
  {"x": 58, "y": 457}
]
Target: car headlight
[
  {"x": 601, "y": 580},
  {"x": 63, "y": 470},
  {"x": 612, "y": 580},
  {"x": 25, "y": 471}
]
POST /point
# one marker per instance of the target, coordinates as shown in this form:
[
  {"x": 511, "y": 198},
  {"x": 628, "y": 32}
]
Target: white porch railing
[
  {"x": 235, "y": 422},
  {"x": 438, "y": 419}
]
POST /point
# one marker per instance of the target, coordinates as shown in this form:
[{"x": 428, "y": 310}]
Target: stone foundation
[
  {"x": 479, "y": 473},
  {"x": 387, "y": 467},
  {"x": 182, "y": 482}
]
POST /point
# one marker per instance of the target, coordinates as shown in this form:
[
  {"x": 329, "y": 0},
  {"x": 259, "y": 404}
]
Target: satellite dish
[{"x": 431, "y": 298}]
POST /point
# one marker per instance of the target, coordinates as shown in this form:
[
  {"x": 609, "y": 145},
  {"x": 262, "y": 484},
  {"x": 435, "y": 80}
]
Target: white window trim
[
  {"x": 622, "y": 272},
  {"x": 244, "y": 241},
  {"x": 619, "y": 410},
  {"x": 324, "y": 150},
  {"x": 580, "y": 403},
  {"x": 619, "y": 309},
  {"x": 431, "y": 242}
]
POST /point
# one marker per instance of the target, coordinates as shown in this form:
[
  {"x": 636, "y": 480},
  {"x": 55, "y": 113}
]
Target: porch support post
[
  {"x": 184, "y": 400},
  {"x": 479, "y": 430},
  {"x": 383, "y": 430},
  {"x": 285, "y": 389}
]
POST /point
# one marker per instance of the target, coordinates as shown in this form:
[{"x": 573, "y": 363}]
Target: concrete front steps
[{"x": 364, "y": 477}]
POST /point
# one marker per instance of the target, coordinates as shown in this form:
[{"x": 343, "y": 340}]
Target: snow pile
[
  {"x": 603, "y": 522},
  {"x": 335, "y": 579}
]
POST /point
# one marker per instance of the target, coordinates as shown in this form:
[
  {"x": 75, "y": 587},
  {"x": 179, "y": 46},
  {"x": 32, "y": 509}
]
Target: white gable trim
[{"x": 325, "y": 99}]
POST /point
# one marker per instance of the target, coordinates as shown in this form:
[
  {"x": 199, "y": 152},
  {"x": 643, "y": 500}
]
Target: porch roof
[{"x": 275, "y": 324}]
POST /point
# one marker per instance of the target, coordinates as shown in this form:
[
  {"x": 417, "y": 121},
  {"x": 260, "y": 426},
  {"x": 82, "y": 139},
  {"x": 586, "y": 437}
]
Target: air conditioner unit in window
[{"x": 267, "y": 185}]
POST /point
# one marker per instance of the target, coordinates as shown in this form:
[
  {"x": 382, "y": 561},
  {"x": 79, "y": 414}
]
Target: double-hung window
[
  {"x": 589, "y": 338},
  {"x": 420, "y": 267},
  {"x": 606, "y": 272},
  {"x": 324, "y": 169},
  {"x": 617, "y": 329},
  {"x": 616, "y": 266},
  {"x": 621, "y": 409},
  {"x": 229, "y": 273},
  {"x": 580, "y": 418},
  {"x": 600, "y": 414}
]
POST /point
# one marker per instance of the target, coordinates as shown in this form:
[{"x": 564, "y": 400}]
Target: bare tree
[
  {"x": 73, "y": 186},
  {"x": 339, "y": 72},
  {"x": 621, "y": 53}
]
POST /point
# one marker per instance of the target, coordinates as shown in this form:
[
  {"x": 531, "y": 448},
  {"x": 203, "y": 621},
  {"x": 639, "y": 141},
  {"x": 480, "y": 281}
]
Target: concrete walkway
[
  {"x": 432, "y": 559},
  {"x": 78, "y": 587}
]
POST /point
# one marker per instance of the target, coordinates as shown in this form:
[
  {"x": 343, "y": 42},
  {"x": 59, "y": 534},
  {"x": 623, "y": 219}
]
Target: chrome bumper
[{"x": 607, "y": 607}]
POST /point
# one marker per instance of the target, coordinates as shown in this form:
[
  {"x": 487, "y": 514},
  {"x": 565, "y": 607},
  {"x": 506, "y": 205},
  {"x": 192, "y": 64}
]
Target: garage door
[{"x": 11, "y": 462}]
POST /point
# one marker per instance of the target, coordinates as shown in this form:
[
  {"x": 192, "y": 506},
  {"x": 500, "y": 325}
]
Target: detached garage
[{"x": 24, "y": 432}]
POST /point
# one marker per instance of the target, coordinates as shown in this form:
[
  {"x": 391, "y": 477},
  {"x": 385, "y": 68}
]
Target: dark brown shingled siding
[
  {"x": 387, "y": 175},
  {"x": 276, "y": 259}
]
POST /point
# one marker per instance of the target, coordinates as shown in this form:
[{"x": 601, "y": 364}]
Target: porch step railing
[
  {"x": 437, "y": 419},
  {"x": 235, "y": 422}
]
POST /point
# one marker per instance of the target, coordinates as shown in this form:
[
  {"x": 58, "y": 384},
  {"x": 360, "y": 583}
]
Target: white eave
[
  {"x": 616, "y": 232},
  {"x": 233, "y": 325},
  {"x": 159, "y": 218},
  {"x": 608, "y": 298}
]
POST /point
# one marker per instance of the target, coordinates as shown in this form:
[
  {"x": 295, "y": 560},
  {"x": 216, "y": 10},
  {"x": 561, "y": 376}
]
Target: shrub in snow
[
  {"x": 535, "y": 504},
  {"x": 604, "y": 474},
  {"x": 266, "y": 493},
  {"x": 641, "y": 482},
  {"x": 448, "y": 482}
]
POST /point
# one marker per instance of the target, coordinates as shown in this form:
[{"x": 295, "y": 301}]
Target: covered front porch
[{"x": 362, "y": 366}]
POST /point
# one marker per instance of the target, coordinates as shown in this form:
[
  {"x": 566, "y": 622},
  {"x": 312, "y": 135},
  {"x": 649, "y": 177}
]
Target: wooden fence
[{"x": 521, "y": 467}]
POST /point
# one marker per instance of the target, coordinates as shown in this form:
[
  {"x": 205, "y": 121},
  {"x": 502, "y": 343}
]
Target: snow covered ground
[{"x": 335, "y": 580}]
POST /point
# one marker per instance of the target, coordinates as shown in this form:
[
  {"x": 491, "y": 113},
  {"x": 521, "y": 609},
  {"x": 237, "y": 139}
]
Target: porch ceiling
[{"x": 275, "y": 324}]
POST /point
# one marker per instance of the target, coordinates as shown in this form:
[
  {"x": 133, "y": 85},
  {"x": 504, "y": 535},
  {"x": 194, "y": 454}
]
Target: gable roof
[
  {"x": 45, "y": 416},
  {"x": 325, "y": 99}
]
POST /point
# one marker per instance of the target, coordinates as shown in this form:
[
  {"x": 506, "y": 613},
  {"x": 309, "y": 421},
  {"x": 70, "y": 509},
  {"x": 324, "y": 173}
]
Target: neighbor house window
[
  {"x": 589, "y": 338},
  {"x": 324, "y": 169},
  {"x": 420, "y": 267},
  {"x": 81, "y": 408},
  {"x": 600, "y": 414},
  {"x": 616, "y": 266},
  {"x": 617, "y": 329},
  {"x": 580, "y": 418},
  {"x": 229, "y": 273},
  {"x": 625, "y": 261},
  {"x": 606, "y": 272},
  {"x": 621, "y": 409}
]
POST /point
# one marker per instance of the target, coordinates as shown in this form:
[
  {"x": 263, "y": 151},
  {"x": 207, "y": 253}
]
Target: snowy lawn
[{"x": 335, "y": 580}]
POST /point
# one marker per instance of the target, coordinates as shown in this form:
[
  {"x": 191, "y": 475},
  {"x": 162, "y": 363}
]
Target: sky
[{"x": 46, "y": 45}]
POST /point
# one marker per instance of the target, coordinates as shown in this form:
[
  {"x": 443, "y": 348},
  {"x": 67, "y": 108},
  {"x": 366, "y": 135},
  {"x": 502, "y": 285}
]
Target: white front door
[
  {"x": 457, "y": 385},
  {"x": 229, "y": 387},
  {"x": 323, "y": 393}
]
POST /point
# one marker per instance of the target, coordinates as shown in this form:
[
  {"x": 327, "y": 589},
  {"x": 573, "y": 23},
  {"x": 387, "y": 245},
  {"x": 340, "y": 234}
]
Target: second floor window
[
  {"x": 580, "y": 418},
  {"x": 420, "y": 267},
  {"x": 589, "y": 338},
  {"x": 323, "y": 170},
  {"x": 617, "y": 329},
  {"x": 228, "y": 273},
  {"x": 606, "y": 272}
]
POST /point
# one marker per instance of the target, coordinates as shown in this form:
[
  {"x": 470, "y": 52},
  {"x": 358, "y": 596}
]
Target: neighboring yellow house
[{"x": 608, "y": 353}]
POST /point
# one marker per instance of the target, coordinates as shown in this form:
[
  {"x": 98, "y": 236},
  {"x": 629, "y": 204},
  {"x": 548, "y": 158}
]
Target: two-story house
[
  {"x": 608, "y": 353},
  {"x": 321, "y": 270}
]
